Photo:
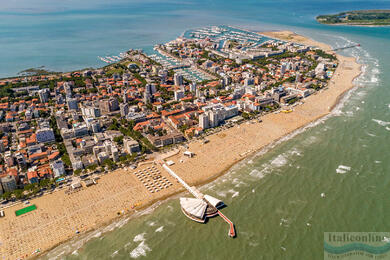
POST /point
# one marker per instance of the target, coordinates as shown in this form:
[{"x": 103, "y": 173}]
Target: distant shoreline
[{"x": 366, "y": 18}]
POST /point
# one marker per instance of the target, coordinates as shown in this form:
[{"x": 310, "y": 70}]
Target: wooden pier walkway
[{"x": 232, "y": 231}]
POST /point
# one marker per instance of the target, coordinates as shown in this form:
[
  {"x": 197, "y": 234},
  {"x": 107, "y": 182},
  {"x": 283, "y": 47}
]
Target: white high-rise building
[
  {"x": 193, "y": 87},
  {"x": 44, "y": 95},
  {"x": 204, "y": 121},
  {"x": 178, "y": 79},
  {"x": 179, "y": 94},
  {"x": 68, "y": 90},
  {"x": 124, "y": 108},
  {"x": 58, "y": 168}
]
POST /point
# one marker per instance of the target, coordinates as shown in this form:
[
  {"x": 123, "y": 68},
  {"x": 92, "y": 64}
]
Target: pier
[
  {"x": 346, "y": 47},
  {"x": 194, "y": 192},
  {"x": 205, "y": 198},
  {"x": 232, "y": 231}
]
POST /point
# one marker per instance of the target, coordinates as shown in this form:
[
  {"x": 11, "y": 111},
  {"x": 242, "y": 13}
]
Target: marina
[
  {"x": 186, "y": 69},
  {"x": 113, "y": 59}
]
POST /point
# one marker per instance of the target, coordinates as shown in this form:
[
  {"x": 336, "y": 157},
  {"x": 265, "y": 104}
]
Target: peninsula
[
  {"x": 81, "y": 149},
  {"x": 361, "y": 17}
]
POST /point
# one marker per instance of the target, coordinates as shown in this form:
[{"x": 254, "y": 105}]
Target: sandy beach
[{"x": 60, "y": 215}]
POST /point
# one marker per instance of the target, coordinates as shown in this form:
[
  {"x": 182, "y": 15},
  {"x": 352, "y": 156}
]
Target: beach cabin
[
  {"x": 169, "y": 163},
  {"x": 189, "y": 154}
]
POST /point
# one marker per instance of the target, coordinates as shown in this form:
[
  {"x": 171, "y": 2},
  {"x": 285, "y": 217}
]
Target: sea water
[{"x": 331, "y": 176}]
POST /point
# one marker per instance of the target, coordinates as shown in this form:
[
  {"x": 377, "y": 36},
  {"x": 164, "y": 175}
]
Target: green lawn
[{"x": 25, "y": 210}]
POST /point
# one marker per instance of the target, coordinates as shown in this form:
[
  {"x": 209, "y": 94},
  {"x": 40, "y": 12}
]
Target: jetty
[
  {"x": 202, "y": 206},
  {"x": 346, "y": 47}
]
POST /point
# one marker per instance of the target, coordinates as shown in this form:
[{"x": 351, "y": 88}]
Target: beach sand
[{"x": 59, "y": 215}]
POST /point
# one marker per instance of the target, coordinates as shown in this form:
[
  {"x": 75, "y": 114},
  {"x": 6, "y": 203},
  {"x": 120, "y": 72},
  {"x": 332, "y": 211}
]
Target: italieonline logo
[{"x": 357, "y": 245}]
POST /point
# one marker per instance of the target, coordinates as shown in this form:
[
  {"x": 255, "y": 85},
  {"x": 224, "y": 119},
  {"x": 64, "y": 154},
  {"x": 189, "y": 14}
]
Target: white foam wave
[
  {"x": 139, "y": 237},
  {"x": 237, "y": 182},
  {"x": 343, "y": 169},
  {"x": 98, "y": 234},
  {"x": 160, "y": 229},
  {"x": 221, "y": 193},
  {"x": 340, "y": 171},
  {"x": 257, "y": 174},
  {"x": 140, "y": 250},
  {"x": 380, "y": 122},
  {"x": 151, "y": 223},
  {"x": 235, "y": 194},
  {"x": 279, "y": 161},
  {"x": 347, "y": 168}
]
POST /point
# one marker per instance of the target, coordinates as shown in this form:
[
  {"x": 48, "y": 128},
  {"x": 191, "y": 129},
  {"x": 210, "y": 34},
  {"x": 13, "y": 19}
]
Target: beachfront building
[
  {"x": 131, "y": 146},
  {"x": 58, "y": 168},
  {"x": 204, "y": 121},
  {"x": 8, "y": 182},
  {"x": 216, "y": 113}
]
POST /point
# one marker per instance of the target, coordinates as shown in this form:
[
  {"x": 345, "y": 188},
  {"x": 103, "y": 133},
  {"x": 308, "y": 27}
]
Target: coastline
[
  {"x": 358, "y": 25},
  {"x": 211, "y": 161}
]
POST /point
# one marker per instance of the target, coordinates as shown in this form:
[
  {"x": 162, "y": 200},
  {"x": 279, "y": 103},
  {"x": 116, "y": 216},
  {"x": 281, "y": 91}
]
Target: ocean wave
[
  {"x": 343, "y": 169},
  {"x": 114, "y": 253},
  {"x": 340, "y": 171},
  {"x": 380, "y": 122},
  {"x": 238, "y": 183},
  {"x": 279, "y": 161},
  {"x": 256, "y": 173},
  {"x": 160, "y": 229},
  {"x": 139, "y": 237},
  {"x": 140, "y": 250},
  {"x": 151, "y": 223},
  {"x": 221, "y": 193},
  {"x": 98, "y": 234},
  {"x": 235, "y": 194}
]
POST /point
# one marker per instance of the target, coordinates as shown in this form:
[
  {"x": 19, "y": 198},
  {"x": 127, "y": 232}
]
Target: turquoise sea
[{"x": 274, "y": 198}]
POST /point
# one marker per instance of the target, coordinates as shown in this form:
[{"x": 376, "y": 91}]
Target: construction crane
[{"x": 346, "y": 47}]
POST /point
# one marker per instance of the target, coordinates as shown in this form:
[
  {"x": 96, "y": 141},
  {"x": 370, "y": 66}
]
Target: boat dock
[{"x": 205, "y": 203}]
